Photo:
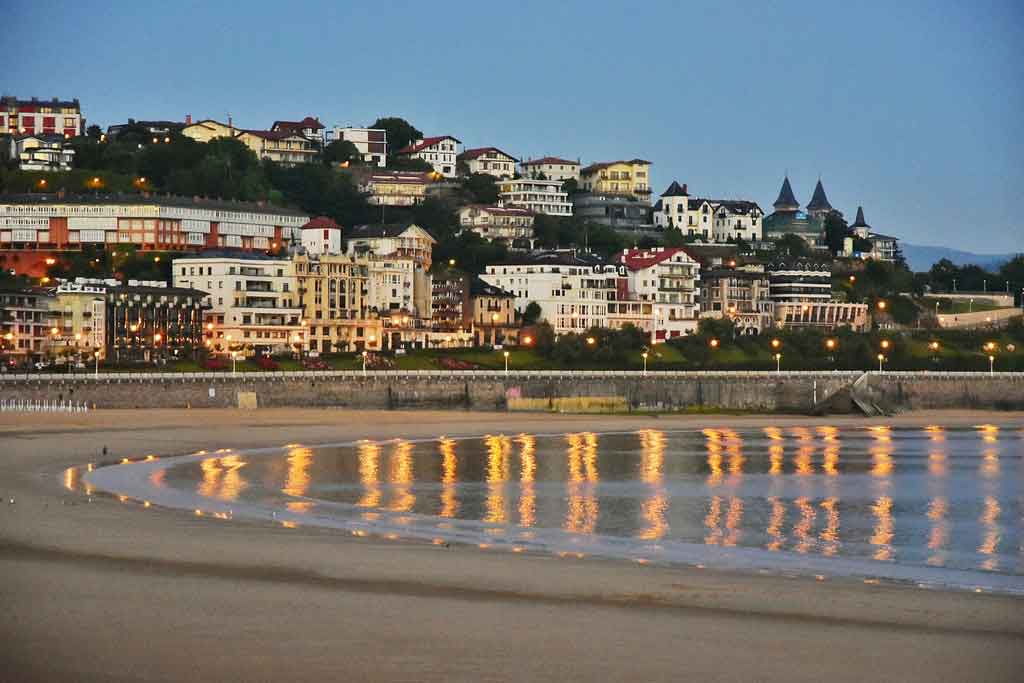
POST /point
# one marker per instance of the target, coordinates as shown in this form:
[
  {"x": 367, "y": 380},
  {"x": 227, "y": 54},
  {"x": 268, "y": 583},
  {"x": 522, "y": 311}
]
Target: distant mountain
[{"x": 920, "y": 257}]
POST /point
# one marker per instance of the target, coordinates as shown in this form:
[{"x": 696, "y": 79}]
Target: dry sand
[{"x": 104, "y": 591}]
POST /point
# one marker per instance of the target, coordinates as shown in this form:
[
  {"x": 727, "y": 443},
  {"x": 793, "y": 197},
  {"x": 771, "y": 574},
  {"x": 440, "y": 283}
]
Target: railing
[{"x": 24, "y": 406}]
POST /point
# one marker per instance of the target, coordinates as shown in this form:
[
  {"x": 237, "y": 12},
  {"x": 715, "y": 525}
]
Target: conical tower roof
[
  {"x": 786, "y": 201},
  {"x": 860, "y": 223},
  {"x": 819, "y": 202},
  {"x": 675, "y": 190}
]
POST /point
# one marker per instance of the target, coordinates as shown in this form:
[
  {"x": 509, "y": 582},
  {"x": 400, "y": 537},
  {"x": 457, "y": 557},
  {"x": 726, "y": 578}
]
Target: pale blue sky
[{"x": 913, "y": 109}]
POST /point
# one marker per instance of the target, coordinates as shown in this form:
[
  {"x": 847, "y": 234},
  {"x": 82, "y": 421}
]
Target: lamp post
[
  {"x": 644, "y": 356},
  {"x": 881, "y": 359},
  {"x": 234, "y": 368},
  {"x": 506, "y": 361},
  {"x": 934, "y": 348},
  {"x": 364, "y": 362},
  {"x": 991, "y": 365},
  {"x": 96, "y": 355},
  {"x": 778, "y": 363}
]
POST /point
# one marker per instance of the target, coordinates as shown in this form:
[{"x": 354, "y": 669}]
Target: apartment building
[
  {"x": 801, "y": 293},
  {"x": 440, "y": 152},
  {"x": 450, "y": 307},
  {"x": 36, "y": 227},
  {"x": 372, "y": 143},
  {"x": 41, "y": 117},
  {"x": 40, "y": 152},
  {"x": 209, "y": 129},
  {"x": 394, "y": 188},
  {"x": 883, "y": 247},
  {"x": 309, "y": 128},
  {"x": 666, "y": 278},
  {"x": 712, "y": 220},
  {"x": 253, "y": 301},
  {"x": 79, "y": 314},
  {"x": 502, "y": 223},
  {"x": 284, "y": 147},
  {"x": 26, "y": 321},
  {"x": 489, "y": 161},
  {"x": 334, "y": 293},
  {"x": 148, "y": 321},
  {"x": 627, "y": 178},
  {"x": 551, "y": 168},
  {"x": 492, "y": 314},
  {"x": 739, "y": 294},
  {"x": 406, "y": 240},
  {"x": 538, "y": 196},
  {"x": 572, "y": 290}
]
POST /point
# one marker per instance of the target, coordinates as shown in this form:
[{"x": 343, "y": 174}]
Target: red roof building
[{"x": 439, "y": 151}]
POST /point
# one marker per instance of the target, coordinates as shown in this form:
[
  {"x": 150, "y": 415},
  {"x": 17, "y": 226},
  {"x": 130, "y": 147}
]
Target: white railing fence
[{"x": 20, "y": 405}]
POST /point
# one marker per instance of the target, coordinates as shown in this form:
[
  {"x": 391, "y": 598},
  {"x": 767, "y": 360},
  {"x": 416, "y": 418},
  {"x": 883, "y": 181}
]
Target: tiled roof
[
  {"x": 322, "y": 222},
  {"x": 426, "y": 142},
  {"x": 480, "y": 151},
  {"x": 501, "y": 210},
  {"x": 550, "y": 161},
  {"x": 308, "y": 122},
  {"x": 478, "y": 287},
  {"x": 382, "y": 230},
  {"x": 272, "y": 134},
  {"x": 638, "y": 259},
  {"x": 595, "y": 167}
]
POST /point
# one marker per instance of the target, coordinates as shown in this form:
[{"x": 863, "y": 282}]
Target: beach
[{"x": 97, "y": 589}]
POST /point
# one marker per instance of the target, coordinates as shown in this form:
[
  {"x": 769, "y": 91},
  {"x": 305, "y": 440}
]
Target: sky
[{"x": 914, "y": 110}]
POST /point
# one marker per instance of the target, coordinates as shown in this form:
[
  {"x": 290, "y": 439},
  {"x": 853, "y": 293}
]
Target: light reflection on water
[{"x": 936, "y": 497}]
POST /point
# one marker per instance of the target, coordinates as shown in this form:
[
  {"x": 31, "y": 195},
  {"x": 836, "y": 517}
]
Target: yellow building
[
  {"x": 79, "y": 320},
  {"x": 208, "y": 129},
  {"x": 629, "y": 178},
  {"x": 493, "y": 314},
  {"x": 284, "y": 147},
  {"x": 334, "y": 295}
]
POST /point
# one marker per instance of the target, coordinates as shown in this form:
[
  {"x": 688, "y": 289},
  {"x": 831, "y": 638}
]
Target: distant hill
[{"x": 920, "y": 257}]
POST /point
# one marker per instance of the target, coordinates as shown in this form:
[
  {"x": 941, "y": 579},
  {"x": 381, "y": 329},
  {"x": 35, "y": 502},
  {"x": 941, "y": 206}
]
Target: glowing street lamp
[
  {"x": 644, "y": 356},
  {"x": 776, "y": 343},
  {"x": 991, "y": 365},
  {"x": 364, "y": 362},
  {"x": 881, "y": 359},
  {"x": 778, "y": 362},
  {"x": 885, "y": 344},
  {"x": 713, "y": 343},
  {"x": 527, "y": 340},
  {"x": 506, "y": 361},
  {"x": 591, "y": 341}
]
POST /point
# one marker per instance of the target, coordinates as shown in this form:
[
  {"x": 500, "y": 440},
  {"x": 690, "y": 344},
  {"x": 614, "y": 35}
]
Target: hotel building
[{"x": 539, "y": 196}]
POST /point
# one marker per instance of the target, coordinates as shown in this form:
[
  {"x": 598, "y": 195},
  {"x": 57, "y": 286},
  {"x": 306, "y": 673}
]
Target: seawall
[{"x": 795, "y": 392}]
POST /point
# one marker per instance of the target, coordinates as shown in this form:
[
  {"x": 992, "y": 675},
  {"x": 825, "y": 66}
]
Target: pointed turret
[
  {"x": 819, "y": 202},
  {"x": 860, "y": 223},
  {"x": 675, "y": 190},
  {"x": 786, "y": 201}
]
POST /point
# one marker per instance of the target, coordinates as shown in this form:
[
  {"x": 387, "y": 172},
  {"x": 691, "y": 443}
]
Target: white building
[
  {"x": 372, "y": 143},
  {"x": 399, "y": 285},
  {"x": 440, "y": 152},
  {"x": 489, "y": 161},
  {"x": 41, "y": 117},
  {"x": 883, "y": 247},
  {"x": 573, "y": 291},
  {"x": 551, "y": 168},
  {"x": 322, "y": 235},
  {"x": 392, "y": 241},
  {"x": 711, "y": 220},
  {"x": 539, "y": 196},
  {"x": 503, "y": 223},
  {"x": 667, "y": 279},
  {"x": 254, "y": 302},
  {"x": 40, "y": 152}
]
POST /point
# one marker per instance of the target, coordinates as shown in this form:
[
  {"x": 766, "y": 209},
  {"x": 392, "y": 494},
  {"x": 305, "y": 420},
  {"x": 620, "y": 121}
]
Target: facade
[
  {"x": 492, "y": 313},
  {"x": 40, "y": 152},
  {"x": 79, "y": 312},
  {"x": 36, "y": 226},
  {"x": 823, "y": 314},
  {"x": 440, "y": 152},
  {"x": 372, "y": 143},
  {"x": 253, "y": 301},
  {"x": 41, "y": 117},
  {"x": 393, "y": 241},
  {"x": 395, "y": 188},
  {"x": 539, "y": 196},
  {"x": 149, "y": 321},
  {"x": 883, "y": 247},
  {"x": 789, "y": 219},
  {"x": 502, "y": 223},
  {"x": 284, "y": 147},
  {"x": 489, "y": 161},
  {"x": 666, "y": 278},
  {"x": 614, "y": 210},
  {"x": 334, "y": 295},
  {"x": 158, "y": 129},
  {"x": 740, "y": 295},
  {"x": 714, "y": 220},
  {"x": 322, "y": 235},
  {"x": 572, "y": 290},
  {"x": 450, "y": 307},
  {"x": 624, "y": 178},
  {"x": 801, "y": 294},
  {"x": 208, "y": 129},
  {"x": 309, "y": 128},
  {"x": 26, "y": 321},
  {"x": 551, "y": 168}
]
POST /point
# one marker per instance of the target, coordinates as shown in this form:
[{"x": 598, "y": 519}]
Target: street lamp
[
  {"x": 506, "y": 361},
  {"x": 713, "y": 343},
  {"x": 364, "y": 362},
  {"x": 881, "y": 359},
  {"x": 776, "y": 343},
  {"x": 881, "y": 304},
  {"x": 644, "y": 356},
  {"x": 527, "y": 340},
  {"x": 591, "y": 341},
  {"x": 96, "y": 355},
  {"x": 991, "y": 365},
  {"x": 885, "y": 344},
  {"x": 778, "y": 362},
  {"x": 234, "y": 368}
]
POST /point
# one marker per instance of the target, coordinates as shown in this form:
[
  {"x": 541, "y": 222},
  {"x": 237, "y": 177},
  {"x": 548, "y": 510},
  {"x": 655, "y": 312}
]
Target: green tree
[
  {"x": 340, "y": 152},
  {"x": 400, "y": 132},
  {"x": 531, "y": 314},
  {"x": 94, "y": 132},
  {"x": 836, "y": 232},
  {"x": 792, "y": 245},
  {"x": 409, "y": 164},
  {"x": 480, "y": 188}
]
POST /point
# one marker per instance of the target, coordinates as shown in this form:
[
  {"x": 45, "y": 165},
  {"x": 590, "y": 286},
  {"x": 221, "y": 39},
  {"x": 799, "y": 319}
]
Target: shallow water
[{"x": 928, "y": 505}]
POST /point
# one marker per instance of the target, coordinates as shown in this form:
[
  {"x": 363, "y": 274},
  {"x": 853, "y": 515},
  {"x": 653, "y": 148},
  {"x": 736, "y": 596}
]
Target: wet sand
[{"x": 105, "y": 591}]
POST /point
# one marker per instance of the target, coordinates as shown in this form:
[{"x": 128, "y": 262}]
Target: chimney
[
  {"x": 188, "y": 119},
  {"x": 684, "y": 189}
]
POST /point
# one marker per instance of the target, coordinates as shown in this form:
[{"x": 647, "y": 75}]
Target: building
[
  {"x": 492, "y": 314},
  {"x": 309, "y": 128},
  {"x": 450, "y": 307},
  {"x": 253, "y": 301},
  {"x": 41, "y": 117},
  {"x": 372, "y": 143},
  {"x": 489, "y": 161},
  {"x": 208, "y": 129},
  {"x": 502, "y": 223},
  {"x": 742, "y": 295},
  {"x": 539, "y": 196},
  {"x": 322, "y": 235},
  {"x": 630, "y": 179},
  {"x": 715, "y": 220},
  {"x": 284, "y": 147},
  {"x": 551, "y": 168},
  {"x": 149, "y": 129},
  {"x": 149, "y": 321},
  {"x": 393, "y": 241},
  {"x": 36, "y": 227},
  {"x": 394, "y": 188},
  {"x": 79, "y": 314},
  {"x": 664, "y": 277},
  {"x": 440, "y": 152},
  {"x": 26, "y": 321},
  {"x": 883, "y": 247},
  {"x": 801, "y": 294},
  {"x": 572, "y": 290},
  {"x": 40, "y": 152},
  {"x": 789, "y": 219},
  {"x": 613, "y": 210},
  {"x": 334, "y": 294},
  {"x": 398, "y": 286}
]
